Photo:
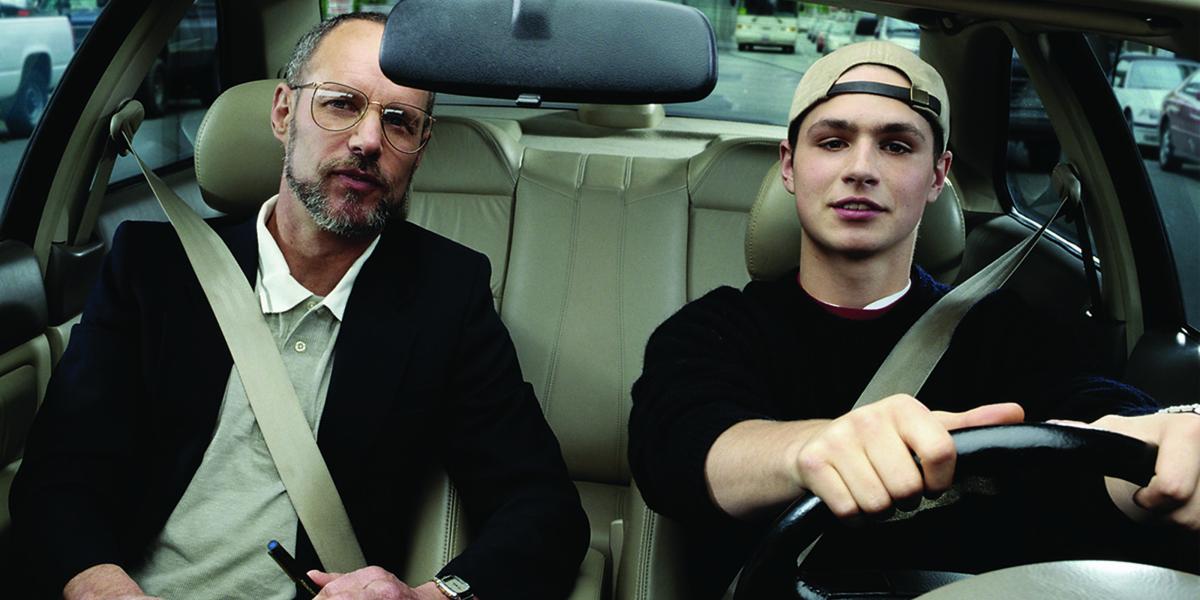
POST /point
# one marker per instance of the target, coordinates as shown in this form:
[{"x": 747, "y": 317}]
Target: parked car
[
  {"x": 35, "y": 47},
  {"x": 184, "y": 68},
  {"x": 1179, "y": 128},
  {"x": 773, "y": 31},
  {"x": 840, "y": 33},
  {"x": 901, "y": 32},
  {"x": 1140, "y": 83}
]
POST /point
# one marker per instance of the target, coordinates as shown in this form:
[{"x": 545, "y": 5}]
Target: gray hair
[{"x": 309, "y": 41}]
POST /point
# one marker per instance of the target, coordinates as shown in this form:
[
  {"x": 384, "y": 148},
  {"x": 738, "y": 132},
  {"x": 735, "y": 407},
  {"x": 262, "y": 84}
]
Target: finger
[
  {"x": 863, "y": 482},
  {"x": 930, "y": 441},
  {"x": 322, "y": 578},
  {"x": 989, "y": 414},
  {"x": 1176, "y": 472},
  {"x": 892, "y": 460},
  {"x": 825, "y": 482}
]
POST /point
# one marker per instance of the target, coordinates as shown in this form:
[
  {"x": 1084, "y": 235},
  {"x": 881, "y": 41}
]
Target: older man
[
  {"x": 744, "y": 401},
  {"x": 146, "y": 472}
]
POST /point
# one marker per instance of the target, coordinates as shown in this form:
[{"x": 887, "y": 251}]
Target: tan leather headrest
[
  {"x": 238, "y": 160},
  {"x": 773, "y": 232},
  {"x": 717, "y": 176}
]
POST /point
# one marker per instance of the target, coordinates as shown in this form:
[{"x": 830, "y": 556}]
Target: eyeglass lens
[{"x": 337, "y": 107}]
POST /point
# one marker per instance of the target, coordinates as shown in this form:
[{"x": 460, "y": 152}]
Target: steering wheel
[{"x": 771, "y": 571}]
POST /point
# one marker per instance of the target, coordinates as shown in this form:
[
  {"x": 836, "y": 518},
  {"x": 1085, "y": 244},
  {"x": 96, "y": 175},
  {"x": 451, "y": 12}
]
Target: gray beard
[{"x": 309, "y": 193}]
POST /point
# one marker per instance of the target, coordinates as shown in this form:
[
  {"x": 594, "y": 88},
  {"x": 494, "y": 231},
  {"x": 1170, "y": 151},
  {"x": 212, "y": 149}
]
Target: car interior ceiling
[{"x": 495, "y": 178}]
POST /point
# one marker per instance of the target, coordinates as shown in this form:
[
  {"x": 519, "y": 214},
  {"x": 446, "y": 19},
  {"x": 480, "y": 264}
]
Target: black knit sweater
[{"x": 772, "y": 352}]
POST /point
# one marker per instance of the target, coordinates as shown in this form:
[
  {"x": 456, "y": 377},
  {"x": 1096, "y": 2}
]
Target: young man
[
  {"x": 146, "y": 472},
  {"x": 742, "y": 405}
]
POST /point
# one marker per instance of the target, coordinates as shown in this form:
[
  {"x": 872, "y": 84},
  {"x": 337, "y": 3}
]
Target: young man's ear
[
  {"x": 941, "y": 170},
  {"x": 281, "y": 112},
  {"x": 785, "y": 166}
]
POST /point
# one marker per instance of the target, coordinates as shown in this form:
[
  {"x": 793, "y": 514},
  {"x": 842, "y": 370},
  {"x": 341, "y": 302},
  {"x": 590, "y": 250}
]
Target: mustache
[{"x": 353, "y": 161}]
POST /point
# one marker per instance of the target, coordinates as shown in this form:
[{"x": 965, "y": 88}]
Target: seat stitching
[
  {"x": 581, "y": 166},
  {"x": 497, "y": 150},
  {"x": 621, "y": 313},
  {"x": 646, "y": 546},
  {"x": 448, "y": 534}
]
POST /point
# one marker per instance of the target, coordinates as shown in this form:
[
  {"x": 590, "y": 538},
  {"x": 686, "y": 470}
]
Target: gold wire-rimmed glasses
[{"x": 338, "y": 107}]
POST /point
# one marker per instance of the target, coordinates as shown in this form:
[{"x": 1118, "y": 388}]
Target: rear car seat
[{"x": 599, "y": 259}]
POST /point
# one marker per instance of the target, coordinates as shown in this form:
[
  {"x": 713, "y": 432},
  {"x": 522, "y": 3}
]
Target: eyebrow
[{"x": 885, "y": 129}]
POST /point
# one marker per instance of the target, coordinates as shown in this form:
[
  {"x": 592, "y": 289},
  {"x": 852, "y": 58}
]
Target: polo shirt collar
[{"x": 278, "y": 291}]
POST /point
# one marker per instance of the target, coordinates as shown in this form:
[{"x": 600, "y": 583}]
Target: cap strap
[{"x": 915, "y": 97}]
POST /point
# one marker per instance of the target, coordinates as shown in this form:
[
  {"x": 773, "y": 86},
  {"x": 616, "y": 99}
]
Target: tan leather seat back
[
  {"x": 773, "y": 234},
  {"x": 464, "y": 186},
  {"x": 598, "y": 261},
  {"x": 722, "y": 184}
]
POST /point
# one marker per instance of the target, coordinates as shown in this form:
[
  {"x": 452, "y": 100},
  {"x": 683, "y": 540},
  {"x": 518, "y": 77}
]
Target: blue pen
[{"x": 289, "y": 566}]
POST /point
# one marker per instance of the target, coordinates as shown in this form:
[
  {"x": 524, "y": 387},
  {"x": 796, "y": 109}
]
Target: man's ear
[
  {"x": 785, "y": 166},
  {"x": 941, "y": 170},
  {"x": 281, "y": 112}
]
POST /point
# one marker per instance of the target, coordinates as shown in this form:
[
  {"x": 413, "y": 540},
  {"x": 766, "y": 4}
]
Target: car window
[
  {"x": 182, "y": 83},
  {"x": 1169, "y": 136},
  {"x": 36, "y": 44},
  {"x": 1031, "y": 152},
  {"x": 1163, "y": 121}
]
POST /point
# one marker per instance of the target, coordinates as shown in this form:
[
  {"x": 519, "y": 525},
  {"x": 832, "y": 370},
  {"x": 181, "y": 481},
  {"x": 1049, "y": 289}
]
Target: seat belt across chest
[{"x": 272, "y": 397}]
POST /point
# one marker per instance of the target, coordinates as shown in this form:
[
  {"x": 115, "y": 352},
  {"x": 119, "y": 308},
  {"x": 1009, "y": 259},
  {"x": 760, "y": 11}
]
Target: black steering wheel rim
[{"x": 770, "y": 571}]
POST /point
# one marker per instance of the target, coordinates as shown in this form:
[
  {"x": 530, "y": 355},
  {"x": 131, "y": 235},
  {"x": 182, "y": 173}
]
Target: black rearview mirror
[{"x": 610, "y": 51}]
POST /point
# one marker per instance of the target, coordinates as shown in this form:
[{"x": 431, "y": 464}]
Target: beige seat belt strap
[
  {"x": 914, "y": 357},
  {"x": 273, "y": 399}
]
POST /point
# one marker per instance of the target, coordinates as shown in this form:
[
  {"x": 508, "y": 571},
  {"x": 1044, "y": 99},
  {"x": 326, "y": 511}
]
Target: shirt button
[
  {"x": 301, "y": 346},
  {"x": 312, "y": 305}
]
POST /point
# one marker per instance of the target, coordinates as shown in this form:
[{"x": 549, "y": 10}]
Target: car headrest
[
  {"x": 717, "y": 176},
  {"x": 238, "y": 159},
  {"x": 773, "y": 233}
]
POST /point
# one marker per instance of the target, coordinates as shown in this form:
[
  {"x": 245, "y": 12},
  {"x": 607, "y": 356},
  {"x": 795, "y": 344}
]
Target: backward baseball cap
[{"x": 926, "y": 94}]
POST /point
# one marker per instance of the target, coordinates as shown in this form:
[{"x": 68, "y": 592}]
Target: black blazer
[{"x": 424, "y": 371}]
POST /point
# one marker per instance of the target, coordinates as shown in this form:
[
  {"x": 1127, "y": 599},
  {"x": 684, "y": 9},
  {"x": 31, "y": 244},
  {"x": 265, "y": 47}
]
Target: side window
[
  {"x": 36, "y": 44},
  {"x": 182, "y": 83},
  {"x": 1033, "y": 150},
  {"x": 1166, "y": 125}
]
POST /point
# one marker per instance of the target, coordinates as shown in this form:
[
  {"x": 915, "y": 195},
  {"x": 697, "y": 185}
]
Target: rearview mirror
[{"x": 610, "y": 51}]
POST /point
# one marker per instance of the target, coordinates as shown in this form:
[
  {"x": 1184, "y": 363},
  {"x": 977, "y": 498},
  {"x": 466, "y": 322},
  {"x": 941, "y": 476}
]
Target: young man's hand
[
  {"x": 370, "y": 583},
  {"x": 859, "y": 462},
  {"x": 1174, "y": 492},
  {"x": 862, "y": 462}
]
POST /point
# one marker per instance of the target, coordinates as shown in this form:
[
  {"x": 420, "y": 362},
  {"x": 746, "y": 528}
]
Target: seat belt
[
  {"x": 272, "y": 398},
  {"x": 914, "y": 357}
]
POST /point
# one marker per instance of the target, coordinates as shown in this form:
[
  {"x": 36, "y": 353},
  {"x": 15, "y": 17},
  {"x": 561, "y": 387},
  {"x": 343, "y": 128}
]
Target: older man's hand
[{"x": 370, "y": 583}]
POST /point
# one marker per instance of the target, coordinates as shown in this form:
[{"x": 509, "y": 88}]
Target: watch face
[{"x": 456, "y": 585}]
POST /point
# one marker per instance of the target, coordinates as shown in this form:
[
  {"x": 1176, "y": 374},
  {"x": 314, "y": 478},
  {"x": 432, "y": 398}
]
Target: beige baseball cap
[{"x": 927, "y": 94}]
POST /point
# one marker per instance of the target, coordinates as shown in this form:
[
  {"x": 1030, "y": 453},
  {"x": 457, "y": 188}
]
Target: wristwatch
[
  {"x": 454, "y": 587},
  {"x": 1181, "y": 409}
]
